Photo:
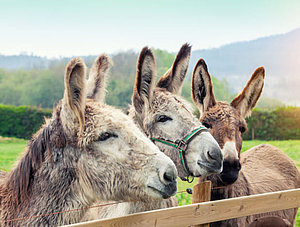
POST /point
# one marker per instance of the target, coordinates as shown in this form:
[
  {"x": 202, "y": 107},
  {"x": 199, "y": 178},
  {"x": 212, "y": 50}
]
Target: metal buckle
[
  {"x": 182, "y": 145},
  {"x": 190, "y": 179}
]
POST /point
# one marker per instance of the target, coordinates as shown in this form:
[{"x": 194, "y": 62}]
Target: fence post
[{"x": 201, "y": 193}]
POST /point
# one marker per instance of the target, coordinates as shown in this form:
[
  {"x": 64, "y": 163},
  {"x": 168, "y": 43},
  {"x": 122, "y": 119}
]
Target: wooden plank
[
  {"x": 202, "y": 193},
  {"x": 206, "y": 212}
]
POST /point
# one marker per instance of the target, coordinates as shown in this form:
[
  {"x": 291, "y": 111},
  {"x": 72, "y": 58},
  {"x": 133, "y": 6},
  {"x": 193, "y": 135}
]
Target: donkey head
[
  {"x": 115, "y": 160},
  {"x": 167, "y": 118},
  {"x": 226, "y": 122}
]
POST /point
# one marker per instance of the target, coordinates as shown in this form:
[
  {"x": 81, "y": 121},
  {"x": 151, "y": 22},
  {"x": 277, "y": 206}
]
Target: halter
[{"x": 182, "y": 146}]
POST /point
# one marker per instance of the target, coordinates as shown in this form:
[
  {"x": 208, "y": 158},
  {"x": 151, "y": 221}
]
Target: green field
[{"x": 11, "y": 149}]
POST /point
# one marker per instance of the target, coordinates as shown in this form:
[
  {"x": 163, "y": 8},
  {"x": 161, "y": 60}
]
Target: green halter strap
[{"x": 182, "y": 145}]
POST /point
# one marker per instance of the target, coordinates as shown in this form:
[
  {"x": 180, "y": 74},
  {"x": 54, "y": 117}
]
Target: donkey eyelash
[
  {"x": 163, "y": 118},
  {"x": 106, "y": 135}
]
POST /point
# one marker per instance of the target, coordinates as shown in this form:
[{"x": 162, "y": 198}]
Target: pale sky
[{"x": 71, "y": 27}]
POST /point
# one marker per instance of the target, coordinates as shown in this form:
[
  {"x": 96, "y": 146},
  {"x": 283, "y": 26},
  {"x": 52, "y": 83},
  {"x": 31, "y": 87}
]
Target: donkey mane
[{"x": 38, "y": 149}]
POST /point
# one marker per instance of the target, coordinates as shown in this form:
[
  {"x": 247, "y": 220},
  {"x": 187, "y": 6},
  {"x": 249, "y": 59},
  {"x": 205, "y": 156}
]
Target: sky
[{"x": 71, "y": 27}]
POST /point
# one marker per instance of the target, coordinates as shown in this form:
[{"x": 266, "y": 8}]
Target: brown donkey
[
  {"x": 265, "y": 164},
  {"x": 86, "y": 151},
  {"x": 166, "y": 117}
]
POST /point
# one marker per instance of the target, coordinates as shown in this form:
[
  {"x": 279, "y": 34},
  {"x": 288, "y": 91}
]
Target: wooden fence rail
[{"x": 206, "y": 212}]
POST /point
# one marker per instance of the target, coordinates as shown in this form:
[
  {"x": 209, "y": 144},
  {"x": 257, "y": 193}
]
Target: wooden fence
[{"x": 205, "y": 212}]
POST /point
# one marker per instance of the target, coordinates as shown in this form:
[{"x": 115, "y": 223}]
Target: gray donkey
[
  {"x": 168, "y": 120},
  {"x": 86, "y": 151},
  {"x": 263, "y": 168}
]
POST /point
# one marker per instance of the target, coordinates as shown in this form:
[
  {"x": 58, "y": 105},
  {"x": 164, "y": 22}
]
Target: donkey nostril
[
  {"x": 212, "y": 155},
  {"x": 215, "y": 154},
  {"x": 169, "y": 177}
]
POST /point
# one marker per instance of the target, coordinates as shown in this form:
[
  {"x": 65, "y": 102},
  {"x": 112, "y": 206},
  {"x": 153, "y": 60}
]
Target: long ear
[
  {"x": 74, "y": 95},
  {"x": 144, "y": 82},
  {"x": 202, "y": 88},
  {"x": 247, "y": 99},
  {"x": 173, "y": 78},
  {"x": 98, "y": 77}
]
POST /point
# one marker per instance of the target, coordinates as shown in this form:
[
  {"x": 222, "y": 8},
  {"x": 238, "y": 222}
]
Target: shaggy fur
[
  {"x": 270, "y": 221},
  {"x": 68, "y": 165},
  {"x": 279, "y": 173},
  {"x": 149, "y": 104},
  {"x": 267, "y": 165}
]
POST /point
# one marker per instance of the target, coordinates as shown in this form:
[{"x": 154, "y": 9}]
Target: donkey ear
[
  {"x": 202, "y": 88},
  {"x": 144, "y": 82},
  {"x": 247, "y": 99},
  {"x": 173, "y": 78},
  {"x": 74, "y": 95},
  {"x": 98, "y": 77}
]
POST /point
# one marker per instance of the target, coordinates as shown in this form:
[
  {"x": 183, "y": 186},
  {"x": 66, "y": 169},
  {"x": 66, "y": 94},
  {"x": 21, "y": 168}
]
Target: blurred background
[{"x": 234, "y": 37}]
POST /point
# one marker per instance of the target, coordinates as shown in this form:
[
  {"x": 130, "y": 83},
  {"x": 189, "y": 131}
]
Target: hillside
[{"x": 279, "y": 54}]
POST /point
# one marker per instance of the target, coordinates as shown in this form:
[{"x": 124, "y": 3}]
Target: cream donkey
[{"x": 86, "y": 151}]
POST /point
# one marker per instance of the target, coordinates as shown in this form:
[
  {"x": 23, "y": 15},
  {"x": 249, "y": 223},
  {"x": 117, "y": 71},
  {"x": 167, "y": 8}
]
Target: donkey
[
  {"x": 86, "y": 151},
  {"x": 265, "y": 164},
  {"x": 167, "y": 119}
]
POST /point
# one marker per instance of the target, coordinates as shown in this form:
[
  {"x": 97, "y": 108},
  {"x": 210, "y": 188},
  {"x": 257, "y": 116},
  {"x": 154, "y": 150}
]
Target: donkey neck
[
  {"x": 44, "y": 181},
  {"x": 54, "y": 188}
]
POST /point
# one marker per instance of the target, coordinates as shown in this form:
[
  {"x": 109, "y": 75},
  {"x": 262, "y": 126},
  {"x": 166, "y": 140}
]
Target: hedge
[
  {"x": 21, "y": 121},
  {"x": 278, "y": 124}
]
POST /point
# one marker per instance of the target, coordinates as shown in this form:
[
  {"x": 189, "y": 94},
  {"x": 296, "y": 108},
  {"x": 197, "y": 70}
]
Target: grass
[
  {"x": 11, "y": 149},
  {"x": 183, "y": 197}
]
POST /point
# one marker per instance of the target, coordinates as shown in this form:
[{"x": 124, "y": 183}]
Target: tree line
[
  {"x": 28, "y": 95},
  {"x": 43, "y": 88}
]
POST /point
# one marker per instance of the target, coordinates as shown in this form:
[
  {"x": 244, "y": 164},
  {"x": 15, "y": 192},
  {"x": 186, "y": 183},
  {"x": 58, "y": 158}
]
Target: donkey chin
[
  {"x": 164, "y": 183},
  {"x": 164, "y": 192}
]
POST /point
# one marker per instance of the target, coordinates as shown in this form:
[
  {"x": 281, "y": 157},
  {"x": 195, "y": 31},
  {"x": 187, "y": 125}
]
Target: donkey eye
[
  {"x": 163, "y": 118},
  {"x": 207, "y": 125},
  {"x": 106, "y": 135},
  {"x": 242, "y": 129}
]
